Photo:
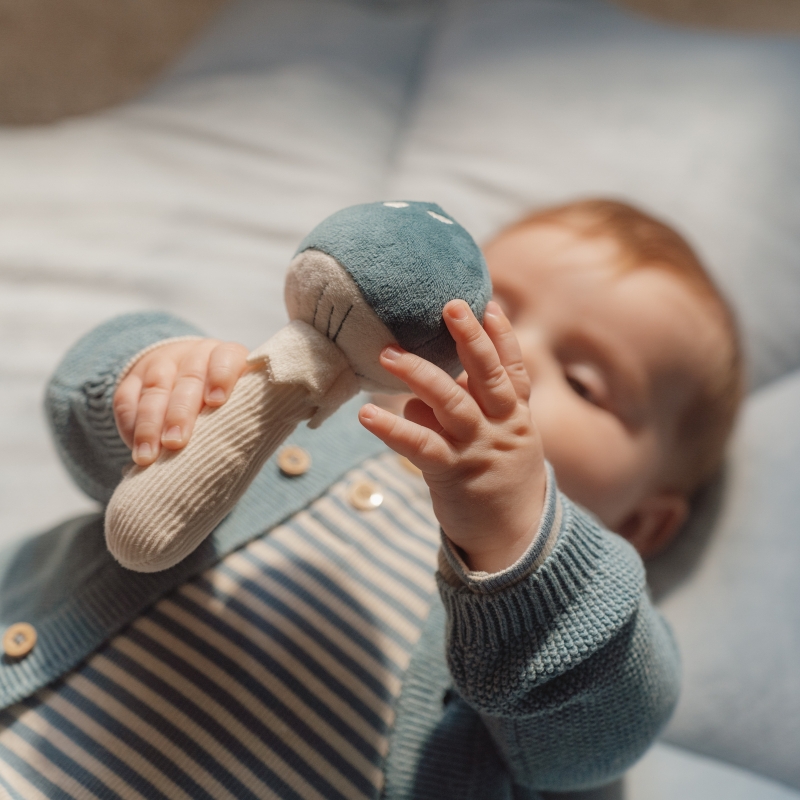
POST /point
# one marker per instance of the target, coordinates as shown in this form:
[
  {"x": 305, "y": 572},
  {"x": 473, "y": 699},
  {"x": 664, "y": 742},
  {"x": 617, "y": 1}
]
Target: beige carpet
[{"x": 64, "y": 57}]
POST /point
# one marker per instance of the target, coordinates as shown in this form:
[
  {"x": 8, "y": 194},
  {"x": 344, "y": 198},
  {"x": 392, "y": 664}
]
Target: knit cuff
[
  {"x": 571, "y": 606},
  {"x": 456, "y": 573},
  {"x": 79, "y": 397}
]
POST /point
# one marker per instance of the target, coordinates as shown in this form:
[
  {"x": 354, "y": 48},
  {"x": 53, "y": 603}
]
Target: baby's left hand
[{"x": 474, "y": 439}]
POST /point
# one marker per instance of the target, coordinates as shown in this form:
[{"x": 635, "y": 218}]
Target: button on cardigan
[{"x": 556, "y": 674}]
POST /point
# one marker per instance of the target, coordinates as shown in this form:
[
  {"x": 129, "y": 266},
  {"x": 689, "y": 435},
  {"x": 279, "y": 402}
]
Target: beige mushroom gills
[{"x": 323, "y": 357}]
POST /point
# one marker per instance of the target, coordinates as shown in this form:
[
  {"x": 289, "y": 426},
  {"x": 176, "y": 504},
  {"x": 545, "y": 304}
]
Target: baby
[
  {"x": 303, "y": 651},
  {"x": 634, "y": 375},
  {"x": 607, "y": 350}
]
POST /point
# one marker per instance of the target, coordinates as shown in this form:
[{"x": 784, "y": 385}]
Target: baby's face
[{"x": 613, "y": 356}]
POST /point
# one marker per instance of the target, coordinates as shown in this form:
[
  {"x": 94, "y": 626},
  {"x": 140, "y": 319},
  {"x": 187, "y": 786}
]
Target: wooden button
[
  {"x": 412, "y": 468},
  {"x": 19, "y": 639},
  {"x": 293, "y": 461},
  {"x": 365, "y": 496}
]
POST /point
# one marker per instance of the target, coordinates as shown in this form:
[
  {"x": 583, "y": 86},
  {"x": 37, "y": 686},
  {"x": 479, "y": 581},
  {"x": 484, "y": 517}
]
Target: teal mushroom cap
[{"x": 408, "y": 259}]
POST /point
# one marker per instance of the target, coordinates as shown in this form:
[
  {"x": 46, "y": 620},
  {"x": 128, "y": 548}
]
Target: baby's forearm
[{"x": 564, "y": 657}]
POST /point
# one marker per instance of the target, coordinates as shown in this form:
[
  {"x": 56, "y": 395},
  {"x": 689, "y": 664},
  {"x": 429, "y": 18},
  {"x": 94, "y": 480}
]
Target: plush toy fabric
[{"x": 368, "y": 276}]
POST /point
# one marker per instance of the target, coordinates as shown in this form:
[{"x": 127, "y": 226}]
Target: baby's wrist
[
  {"x": 502, "y": 556},
  {"x": 510, "y": 535},
  {"x": 503, "y": 548},
  {"x": 482, "y": 574}
]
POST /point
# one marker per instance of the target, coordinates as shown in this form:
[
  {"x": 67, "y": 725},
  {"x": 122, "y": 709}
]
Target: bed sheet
[
  {"x": 729, "y": 589},
  {"x": 191, "y": 199},
  {"x": 534, "y": 102},
  {"x": 672, "y": 773}
]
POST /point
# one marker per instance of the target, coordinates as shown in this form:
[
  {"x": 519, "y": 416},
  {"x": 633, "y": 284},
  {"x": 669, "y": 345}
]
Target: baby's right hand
[{"x": 158, "y": 401}]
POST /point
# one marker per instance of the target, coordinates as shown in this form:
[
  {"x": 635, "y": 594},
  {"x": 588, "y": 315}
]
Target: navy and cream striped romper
[{"x": 273, "y": 674}]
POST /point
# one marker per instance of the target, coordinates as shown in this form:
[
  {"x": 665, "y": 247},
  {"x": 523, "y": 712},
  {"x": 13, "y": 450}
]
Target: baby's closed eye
[{"x": 588, "y": 382}]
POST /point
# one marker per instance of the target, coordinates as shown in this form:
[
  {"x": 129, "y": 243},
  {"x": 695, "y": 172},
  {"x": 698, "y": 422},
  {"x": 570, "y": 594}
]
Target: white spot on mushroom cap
[
  {"x": 396, "y": 204},
  {"x": 441, "y": 218}
]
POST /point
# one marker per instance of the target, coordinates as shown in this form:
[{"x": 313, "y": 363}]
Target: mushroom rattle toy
[{"x": 368, "y": 276}]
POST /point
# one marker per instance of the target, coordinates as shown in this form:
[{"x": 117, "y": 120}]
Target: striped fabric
[{"x": 273, "y": 675}]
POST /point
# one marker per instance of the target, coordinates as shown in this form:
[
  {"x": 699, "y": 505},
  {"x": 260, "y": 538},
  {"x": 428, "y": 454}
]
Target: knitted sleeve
[
  {"x": 571, "y": 668},
  {"x": 79, "y": 396}
]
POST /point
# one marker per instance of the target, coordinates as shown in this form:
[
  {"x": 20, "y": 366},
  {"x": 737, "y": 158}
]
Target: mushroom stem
[{"x": 161, "y": 513}]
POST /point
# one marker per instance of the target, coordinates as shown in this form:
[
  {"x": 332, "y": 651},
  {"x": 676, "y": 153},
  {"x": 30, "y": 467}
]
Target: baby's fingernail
[
  {"x": 216, "y": 395},
  {"x": 493, "y": 310},
  {"x": 391, "y": 353},
  {"x": 458, "y": 311},
  {"x": 144, "y": 450},
  {"x": 368, "y": 411},
  {"x": 172, "y": 435}
]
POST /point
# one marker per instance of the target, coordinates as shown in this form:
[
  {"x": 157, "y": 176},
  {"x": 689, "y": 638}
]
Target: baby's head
[{"x": 634, "y": 359}]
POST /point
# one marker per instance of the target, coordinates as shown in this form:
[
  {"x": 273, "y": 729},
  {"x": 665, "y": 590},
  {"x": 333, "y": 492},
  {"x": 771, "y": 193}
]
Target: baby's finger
[
  {"x": 416, "y": 411},
  {"x": 186, "y": 398},
  {"x": 226, "y": 364},
  {"x": 497, "y": 326},
  {"x": 157, "y": 382},
  {"x": 125, "y": 406},
  {"x": 456, "y": 411},
  {"x": 421, "y": 446},
  {"x": 488, "y": 382}
]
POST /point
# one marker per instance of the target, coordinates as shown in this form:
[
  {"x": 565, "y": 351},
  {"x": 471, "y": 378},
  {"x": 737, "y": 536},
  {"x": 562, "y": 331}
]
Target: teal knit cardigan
[{"x": 557, "y": 678}]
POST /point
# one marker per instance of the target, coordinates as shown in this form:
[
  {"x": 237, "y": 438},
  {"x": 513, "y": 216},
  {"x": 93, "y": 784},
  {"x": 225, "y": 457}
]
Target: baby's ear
[{"x": 654, "y": 522}]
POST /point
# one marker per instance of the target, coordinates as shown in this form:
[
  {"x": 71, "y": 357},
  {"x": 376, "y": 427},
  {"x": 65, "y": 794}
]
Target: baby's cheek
[{"x": 598, "y": 462}]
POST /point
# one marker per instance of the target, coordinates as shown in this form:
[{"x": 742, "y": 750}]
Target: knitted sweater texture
[{"x": 556, "y": 674}]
